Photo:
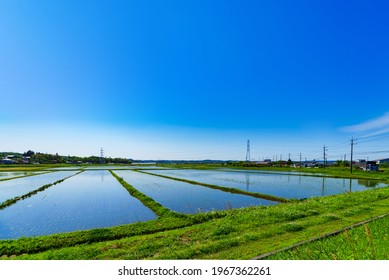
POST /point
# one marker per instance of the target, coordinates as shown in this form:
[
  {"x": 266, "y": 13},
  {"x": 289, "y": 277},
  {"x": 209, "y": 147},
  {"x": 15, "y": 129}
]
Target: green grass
[
  {"x": 369, "y": 241},
  {"x": 40, "y": 167},
  {"x": 230, "y": 234}
]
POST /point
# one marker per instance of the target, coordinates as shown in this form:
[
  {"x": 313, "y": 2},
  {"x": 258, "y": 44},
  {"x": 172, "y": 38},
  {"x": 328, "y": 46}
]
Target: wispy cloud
[{"x": 373, "y": 127}]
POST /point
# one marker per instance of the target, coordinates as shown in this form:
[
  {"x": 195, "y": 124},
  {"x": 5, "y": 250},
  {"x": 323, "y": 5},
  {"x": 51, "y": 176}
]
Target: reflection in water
[
  {"x": 368, "y": 183},
  {"x": 344, "y": 185},
  {"x": 363, "y": 182},
  {"x": 277, "y": 184},
  {"x": 247, "y": 181}
]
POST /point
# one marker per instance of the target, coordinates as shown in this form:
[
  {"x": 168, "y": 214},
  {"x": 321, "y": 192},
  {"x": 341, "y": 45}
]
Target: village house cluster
[{"x": 11, "y": 159}]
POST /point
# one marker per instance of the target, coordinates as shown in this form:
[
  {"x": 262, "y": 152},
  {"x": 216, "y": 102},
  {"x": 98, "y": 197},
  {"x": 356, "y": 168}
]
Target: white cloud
[{"x": 375, "y": 126}]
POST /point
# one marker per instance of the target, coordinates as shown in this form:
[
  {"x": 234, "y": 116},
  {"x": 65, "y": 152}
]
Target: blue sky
[{"x": 195, "y": 79}]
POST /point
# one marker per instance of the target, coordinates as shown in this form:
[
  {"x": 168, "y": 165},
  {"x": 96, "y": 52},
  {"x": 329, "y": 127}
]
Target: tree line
[{"x": 30, "y": 157}]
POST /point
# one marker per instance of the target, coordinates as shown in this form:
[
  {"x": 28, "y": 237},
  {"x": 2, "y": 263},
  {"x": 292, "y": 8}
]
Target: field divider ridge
[
  {"x": 225, "y": 189},
  {"x": 147, "y": 201}
]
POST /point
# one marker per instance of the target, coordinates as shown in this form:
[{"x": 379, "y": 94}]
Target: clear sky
[{"x": 195, "y": 79}]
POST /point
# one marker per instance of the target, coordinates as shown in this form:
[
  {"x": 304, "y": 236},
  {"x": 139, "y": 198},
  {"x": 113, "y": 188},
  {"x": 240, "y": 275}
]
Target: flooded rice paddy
[
  {"x": 16, "y": 174},
  {"x": 20, "y": 186},
  {"x": 276, "y": 184},
  {"x": 95, "y": 199},
  {"x": 86, "y": 201},
  {"x": 187, "y": 198}
]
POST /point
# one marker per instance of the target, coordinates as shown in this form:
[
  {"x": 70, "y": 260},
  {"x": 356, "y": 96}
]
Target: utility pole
[
  {"x": 324, "y": 156},
  {"x": 300, "y": 160},
  {"x": 351, "y": 159},
  {"x": 248, "y": 151}
]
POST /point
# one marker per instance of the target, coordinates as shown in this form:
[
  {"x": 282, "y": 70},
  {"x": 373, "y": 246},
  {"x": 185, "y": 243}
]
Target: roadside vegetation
[{"x": 231, "y": 234}]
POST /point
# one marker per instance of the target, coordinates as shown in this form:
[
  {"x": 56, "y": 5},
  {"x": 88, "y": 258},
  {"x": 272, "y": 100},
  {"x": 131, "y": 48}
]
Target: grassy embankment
[
  {"x": 230, "y": 234},
  {"x": 29, "y": 167}
]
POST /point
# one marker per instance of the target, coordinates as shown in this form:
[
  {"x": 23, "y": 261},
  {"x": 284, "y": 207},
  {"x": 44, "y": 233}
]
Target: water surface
[
  {"x": 92, "y": 199},
  {"x": 187, "y": 198},
  {"x": 276, "y": 184},
  {"x": 20, "y": 186},
  {"x": 15, "y": 174}
]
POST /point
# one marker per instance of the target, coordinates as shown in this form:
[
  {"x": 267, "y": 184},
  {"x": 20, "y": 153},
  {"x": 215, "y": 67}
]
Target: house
[
  {"x": 6, "y": 161},
  {"x": 310, "y": 164},
  {"x": 26, "y": 160},
  {"x": 263, "y": 163},
  {"x": 382, "y": 160},
  {"x": 368, "y": 165},
  {"x": 372, "y": 165},
  {"x": 361, "y": 163}
]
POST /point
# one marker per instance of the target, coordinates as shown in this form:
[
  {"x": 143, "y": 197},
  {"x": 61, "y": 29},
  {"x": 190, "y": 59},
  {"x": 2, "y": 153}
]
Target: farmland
[{"x": 189, "y": 225}]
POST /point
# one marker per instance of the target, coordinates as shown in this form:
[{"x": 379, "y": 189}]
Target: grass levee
[{"x": 154, "y": 206}]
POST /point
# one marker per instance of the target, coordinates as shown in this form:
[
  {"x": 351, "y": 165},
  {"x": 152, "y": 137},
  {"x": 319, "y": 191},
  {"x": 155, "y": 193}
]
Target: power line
[
  {"x": 382, "y": 134},
  {"x": 342, "y": 144}
]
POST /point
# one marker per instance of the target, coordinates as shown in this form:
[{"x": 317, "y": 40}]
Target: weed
[
  {"x": 223, "y": 229},
  {"x": 293, "y": 227},
  {"x": 330, "y": 217},
  {"x": 370, "y": 240}
]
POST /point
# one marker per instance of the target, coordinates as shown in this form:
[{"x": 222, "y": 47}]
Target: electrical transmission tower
[
  {"x": 248, "y": 151},
  {"x": 101, "y": 155}
]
